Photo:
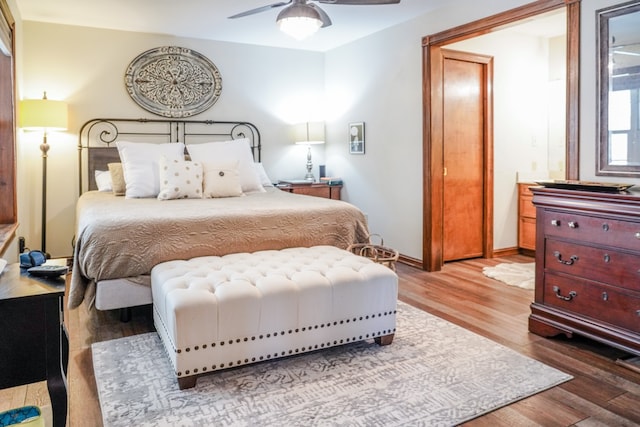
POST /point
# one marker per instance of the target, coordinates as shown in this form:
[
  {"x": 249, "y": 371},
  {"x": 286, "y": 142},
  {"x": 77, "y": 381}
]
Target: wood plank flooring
[{"x": 603, "y": 393}]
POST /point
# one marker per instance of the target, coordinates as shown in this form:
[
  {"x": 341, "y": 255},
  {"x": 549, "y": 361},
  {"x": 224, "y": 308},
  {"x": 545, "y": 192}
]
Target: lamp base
[{"x": 309, "y": 177}]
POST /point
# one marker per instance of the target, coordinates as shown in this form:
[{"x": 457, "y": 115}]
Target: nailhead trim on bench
[
  {"x": 290, "y": 351},
  {"x": 204, "y": 346}
]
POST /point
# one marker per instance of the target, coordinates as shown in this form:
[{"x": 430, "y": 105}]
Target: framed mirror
[{"x": 619, "y": 90}]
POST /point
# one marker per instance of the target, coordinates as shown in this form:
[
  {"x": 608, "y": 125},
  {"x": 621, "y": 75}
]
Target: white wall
[
  {"x": 377, "y": 80},
  {"x": 381, "y": 79},
  {"x": 273, "y": 88}
]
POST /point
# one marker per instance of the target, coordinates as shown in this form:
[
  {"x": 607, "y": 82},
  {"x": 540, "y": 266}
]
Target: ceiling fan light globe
[
  {"x": 299, "y": 28},
  {"x": 299, "y": 21}
]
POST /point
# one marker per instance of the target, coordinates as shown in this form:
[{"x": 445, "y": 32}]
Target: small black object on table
[{"x": 35, "y": 344}]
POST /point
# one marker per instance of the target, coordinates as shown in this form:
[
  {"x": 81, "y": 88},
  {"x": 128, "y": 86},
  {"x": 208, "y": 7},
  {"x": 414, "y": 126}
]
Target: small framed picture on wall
[{"x": 356, "y": 138}]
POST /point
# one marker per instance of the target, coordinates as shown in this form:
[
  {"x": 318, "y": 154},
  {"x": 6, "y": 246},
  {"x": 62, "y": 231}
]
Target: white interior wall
[
  {"x": 381, "y": 76},
  {"x": 273, "y": 88}
]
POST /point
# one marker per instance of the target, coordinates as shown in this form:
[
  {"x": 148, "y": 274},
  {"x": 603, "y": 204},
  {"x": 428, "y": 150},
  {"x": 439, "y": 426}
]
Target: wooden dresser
[{"x": 588, "y": 266}]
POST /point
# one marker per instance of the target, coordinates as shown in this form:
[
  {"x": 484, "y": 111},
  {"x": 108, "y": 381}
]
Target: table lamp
[{"x": 309, "y": 133}]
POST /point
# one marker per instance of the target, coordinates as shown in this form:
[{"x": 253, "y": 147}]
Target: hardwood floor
[{"x": 602, "y": 392}]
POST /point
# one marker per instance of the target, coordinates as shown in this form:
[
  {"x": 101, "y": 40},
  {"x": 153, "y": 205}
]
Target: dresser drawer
[
  {"x": 603, "y": 231},
  {"x": 600, "y": 302},
  {"x": 604, "y": 265}
]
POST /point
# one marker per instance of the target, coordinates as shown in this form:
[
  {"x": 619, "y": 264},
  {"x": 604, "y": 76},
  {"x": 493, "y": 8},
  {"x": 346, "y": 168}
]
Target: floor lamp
[
  {"x": 309, "y": 133},
  {"x": 43, "y": 115}
]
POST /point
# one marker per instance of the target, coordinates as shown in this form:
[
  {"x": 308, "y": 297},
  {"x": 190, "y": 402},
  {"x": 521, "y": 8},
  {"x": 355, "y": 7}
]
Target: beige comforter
[{"x": 125, "y": 238}]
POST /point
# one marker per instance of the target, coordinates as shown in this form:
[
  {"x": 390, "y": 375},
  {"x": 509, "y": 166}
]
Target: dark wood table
[{"x": 35, "y": 345}]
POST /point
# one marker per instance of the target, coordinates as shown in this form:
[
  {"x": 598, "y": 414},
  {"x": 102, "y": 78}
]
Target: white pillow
[
  {"x": 222, "y": 180},
  {"x": 180, "y": 179},
  {"x": 224, "y": 152},
  {"x": 140, "y": 165},
  {"x": 262, "y": 174},
  {"x": 103, "y": 180}
]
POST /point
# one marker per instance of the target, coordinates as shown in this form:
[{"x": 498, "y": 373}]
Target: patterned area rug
[
  {"x": 522, "y": 275},
  {"x": 435, "y": 373}
]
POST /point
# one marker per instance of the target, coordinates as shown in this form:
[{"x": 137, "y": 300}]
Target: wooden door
[{"x": 464, "y": 186}]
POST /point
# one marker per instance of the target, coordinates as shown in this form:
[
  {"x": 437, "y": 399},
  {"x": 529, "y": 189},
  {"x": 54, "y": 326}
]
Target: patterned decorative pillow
[
  {"x": 222, "y": 180},
  {"x": 180, "y": 179},
  {"x": 117, "y": 179}
]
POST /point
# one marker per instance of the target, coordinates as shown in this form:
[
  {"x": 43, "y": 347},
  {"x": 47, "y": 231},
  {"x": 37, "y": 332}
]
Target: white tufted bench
[{"x": 215, "y": 312}]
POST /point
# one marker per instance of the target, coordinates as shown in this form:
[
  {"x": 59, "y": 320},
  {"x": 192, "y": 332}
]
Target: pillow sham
[
  {"x": 221, "y": 180},
  {"x": 180, "y": 179},
  {"x": 117, "y": 178},
  {"x": 222, "y": 152},
  {"x": 103, "y": 180},
  {"x": 265, "y": 181},
  {"x": 140, "y": 164}
]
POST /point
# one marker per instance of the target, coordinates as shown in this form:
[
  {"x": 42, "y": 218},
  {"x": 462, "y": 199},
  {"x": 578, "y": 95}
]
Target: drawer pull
[
  {"x": 605, "y": 296},
  {"x": 572, "y": 224},
  {"x": 638, "y": 235},
  {"x": 605, "y": 227},
  {"x": 571, "y": 295},
  {"x": 556, "y": 223},
  {"x": 607, "y": 258},
  {"x": 570, "y": 261}
]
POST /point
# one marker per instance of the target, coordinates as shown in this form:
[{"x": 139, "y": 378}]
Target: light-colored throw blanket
[{"x": 125, "y": 238}]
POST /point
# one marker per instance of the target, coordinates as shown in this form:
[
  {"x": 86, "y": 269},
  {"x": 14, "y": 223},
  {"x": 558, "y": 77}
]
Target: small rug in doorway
[
  {"x": 522, "y": 275},
  {"x": 434, "y": 373}
]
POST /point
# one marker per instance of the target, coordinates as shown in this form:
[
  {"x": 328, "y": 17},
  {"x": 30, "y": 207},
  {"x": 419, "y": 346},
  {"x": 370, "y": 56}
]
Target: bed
[{"x": 119, "y": 239}]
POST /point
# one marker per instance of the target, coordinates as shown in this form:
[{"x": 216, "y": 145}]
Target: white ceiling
[{"x": 207, "y": 19}]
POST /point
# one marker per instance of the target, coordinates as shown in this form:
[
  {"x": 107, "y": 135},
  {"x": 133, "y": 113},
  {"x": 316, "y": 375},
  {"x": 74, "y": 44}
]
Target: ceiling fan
[{"x": 301, "y": 18}]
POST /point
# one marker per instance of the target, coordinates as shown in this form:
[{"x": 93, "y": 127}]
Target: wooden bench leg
[
  {"x": 187, "y": 382},
  {"x": 384, "y": 340}
]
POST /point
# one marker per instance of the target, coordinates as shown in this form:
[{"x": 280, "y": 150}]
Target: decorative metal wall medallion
[{"x": 173, "y": 81}]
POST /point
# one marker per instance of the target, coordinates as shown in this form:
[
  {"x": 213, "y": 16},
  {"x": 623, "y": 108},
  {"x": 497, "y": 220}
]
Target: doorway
[{"x": 434, "y": 115}]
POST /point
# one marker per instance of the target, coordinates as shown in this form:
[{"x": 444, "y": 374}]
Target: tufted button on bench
[{"x": 215, "y": 312}]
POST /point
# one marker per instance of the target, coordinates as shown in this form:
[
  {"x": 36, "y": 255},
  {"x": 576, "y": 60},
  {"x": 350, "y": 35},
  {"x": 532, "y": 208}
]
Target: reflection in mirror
[{"x": 619, "y": 90}]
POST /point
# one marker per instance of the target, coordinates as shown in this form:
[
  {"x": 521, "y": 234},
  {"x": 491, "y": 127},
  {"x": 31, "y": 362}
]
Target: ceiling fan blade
[
  {"x": 358, "y": 2},
  {"x": 326, "y": 21},
  {"x": 260, "y": 9}
]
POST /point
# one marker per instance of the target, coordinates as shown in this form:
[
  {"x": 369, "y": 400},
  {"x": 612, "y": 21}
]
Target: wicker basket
[{"x": 377, "y": 253}]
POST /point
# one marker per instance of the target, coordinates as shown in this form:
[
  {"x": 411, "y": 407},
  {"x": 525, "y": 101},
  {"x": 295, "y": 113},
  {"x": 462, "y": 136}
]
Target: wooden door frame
[
  {"x": 432, "y": 46},
  {"x": 486, "y": 62}
]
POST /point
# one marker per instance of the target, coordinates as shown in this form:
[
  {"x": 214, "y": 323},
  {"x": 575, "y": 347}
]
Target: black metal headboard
[{"x": 97, "y": 138}]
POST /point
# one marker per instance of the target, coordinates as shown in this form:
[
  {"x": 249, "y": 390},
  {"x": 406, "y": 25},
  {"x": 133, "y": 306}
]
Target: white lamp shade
[
  {"x": 43, "y": 114},
  {"x": 309, "y": 133}
]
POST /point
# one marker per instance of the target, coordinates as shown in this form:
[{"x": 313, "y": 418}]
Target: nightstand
[
  {"x": 315, "y": 189},
  {"x": 35, "y": 345}
]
